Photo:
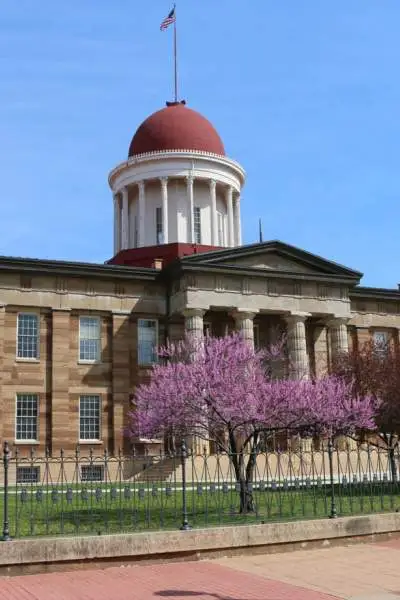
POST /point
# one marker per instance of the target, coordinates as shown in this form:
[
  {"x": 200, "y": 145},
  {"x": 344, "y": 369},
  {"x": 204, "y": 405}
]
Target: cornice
[
  {"x": 78, "y": 269},
  {"x": 375, "y": 293},
  {"x": 179, "y": 268},
  {"x": 167, "y": 154}
]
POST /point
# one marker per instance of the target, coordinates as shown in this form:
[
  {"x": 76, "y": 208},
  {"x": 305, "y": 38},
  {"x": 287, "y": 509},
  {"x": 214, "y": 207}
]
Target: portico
[
  {"x": 311, "y": 343},
  {"x": 266, "y": 292}
]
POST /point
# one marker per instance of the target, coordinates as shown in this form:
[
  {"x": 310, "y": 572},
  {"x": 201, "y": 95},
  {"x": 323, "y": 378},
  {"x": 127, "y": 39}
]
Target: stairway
[{"x": 162, "y": 470}]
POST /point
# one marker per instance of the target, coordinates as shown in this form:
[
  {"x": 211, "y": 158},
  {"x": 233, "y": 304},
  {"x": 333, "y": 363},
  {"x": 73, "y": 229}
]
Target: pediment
[
  {"x": 273, "y": 256},
  {"x": 271, "y": 261}
]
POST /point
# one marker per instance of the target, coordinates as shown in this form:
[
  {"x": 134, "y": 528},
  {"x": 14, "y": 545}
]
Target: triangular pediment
[{"x": 273, "y": 256}]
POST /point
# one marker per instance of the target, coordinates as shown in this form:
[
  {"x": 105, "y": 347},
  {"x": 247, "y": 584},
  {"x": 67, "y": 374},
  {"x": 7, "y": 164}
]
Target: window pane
[
  {"x": 89, "y": 338},
  {"x": 159, "y": 226},
  {"x": 89, "y": 418},
  {"x": 28, "y": 336},
  {"x": 147, "y": 341},
  {"x": 27, "y": 417},
  {"x": 381, "y": 341},
  {"x": 221, "y": 230},
  {"x": 197, "y": 224}
]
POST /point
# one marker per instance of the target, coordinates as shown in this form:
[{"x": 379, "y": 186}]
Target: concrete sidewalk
[{"x": 359, "y": 572}]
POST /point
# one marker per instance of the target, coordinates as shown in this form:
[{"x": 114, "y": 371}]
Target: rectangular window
[
  {"x": 197, "y": 224},
  {"x": 147, "y": 341},
  {"x": 381, "y": 340},
  {"x": 26, "y": 422},
  {"x": 89, "y": 418},
  {"x": 159, "y": 226},
  {"x": 28, "y": 336},
  {"x": 89, "y": 339},
  {"x": 135, "y": 241},
  {"x": 28, "y": 475},
  {"x": 92, "y": 472},
  {"x": 221, "y": 229}
]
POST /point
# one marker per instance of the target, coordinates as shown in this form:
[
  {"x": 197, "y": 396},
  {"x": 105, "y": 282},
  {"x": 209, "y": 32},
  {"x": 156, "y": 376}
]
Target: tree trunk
[
  {"x": 246, "y": 498},
  {"x": 243, "y": 475}
]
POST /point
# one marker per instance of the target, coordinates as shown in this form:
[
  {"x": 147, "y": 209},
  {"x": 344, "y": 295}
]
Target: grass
[{"x": 102, "y": 509}]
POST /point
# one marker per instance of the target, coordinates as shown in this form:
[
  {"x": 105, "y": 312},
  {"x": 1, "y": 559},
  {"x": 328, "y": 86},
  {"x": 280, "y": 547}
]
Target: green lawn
[{"x": 100, "y": 509}]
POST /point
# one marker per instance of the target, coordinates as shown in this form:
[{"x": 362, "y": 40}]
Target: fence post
[
  {"x": 185, "y": 524},
  {"x": 333, "y": 513},
  {"x": 6, "y": 460}
]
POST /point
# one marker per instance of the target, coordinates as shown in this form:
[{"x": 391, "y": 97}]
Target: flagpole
[{"x": 175, "y": 58}]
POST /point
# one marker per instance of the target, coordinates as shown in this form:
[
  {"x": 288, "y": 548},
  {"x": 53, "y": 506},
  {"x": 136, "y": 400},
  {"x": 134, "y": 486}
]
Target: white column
[
  {"x": 321, "y": 350},
  {"x": 238, "y": 225},
  {"x": 338, "y": 335},
  {"x": 190, "y": 200},
  {"x": 297, "y": 346},
  {"x": 125, "y": 219},
  {"x": 141, "y": 213},
  {"x": 117, "y": 220},
  {"x": 194, "y": 328},
  {"x": 164, "y": 196},
  {"x": 214, "y": 224},
  {"x": 194, "y": 322},
  {"x": 229, "y": 204},
  {"x": 244, "y": 324}
]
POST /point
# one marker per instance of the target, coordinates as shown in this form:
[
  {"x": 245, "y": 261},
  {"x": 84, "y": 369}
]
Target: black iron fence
[{"x": 86, "y": 493}]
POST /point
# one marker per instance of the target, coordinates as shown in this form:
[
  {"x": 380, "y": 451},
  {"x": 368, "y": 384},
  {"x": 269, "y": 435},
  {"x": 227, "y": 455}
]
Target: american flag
[{"x": 168, "y": 20}]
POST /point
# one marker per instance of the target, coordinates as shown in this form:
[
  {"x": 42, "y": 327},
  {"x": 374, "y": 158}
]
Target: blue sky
[{"x": 305, "y": 94}]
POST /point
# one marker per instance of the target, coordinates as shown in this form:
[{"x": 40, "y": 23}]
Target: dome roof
[{"x": 176, "y": 127}]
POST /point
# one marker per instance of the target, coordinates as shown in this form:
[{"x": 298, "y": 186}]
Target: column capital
[
  {"x": 296, "y": 317},
  {"x": 337, "y": 321},
  {"x": 229, "y": 190},
  {"x": 164, "y": 181},
  {"x": 193, "y": 312},
  {"x": 124, "y": 192},
  {"x": 241, "y": 314},
  {"x": 213, "y": 184},
  {"x": 189, "y": 179},
  {"x": 141, "y": 185}
]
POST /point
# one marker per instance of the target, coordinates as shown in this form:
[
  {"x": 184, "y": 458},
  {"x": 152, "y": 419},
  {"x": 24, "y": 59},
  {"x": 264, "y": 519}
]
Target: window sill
[
  {"x": 26, "y": 443},
  {"x": 90, "y": 442},
  {"x": 89, "y": 362},
  {"x": 27, "y": 360}
]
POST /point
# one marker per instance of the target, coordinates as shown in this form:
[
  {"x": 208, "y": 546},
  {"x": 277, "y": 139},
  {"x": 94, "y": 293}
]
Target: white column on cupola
[
  {"x": 229, "y": 205},
  {"x": 164, "y": 197},
  {"x": 141, "y": 213},
  {"x": 214, "y": 223},
  {"x": 117, "y": 224},
  {"x": 125, "y": 218},
  {"x": 238, "y": 225},
  {"x": 190, "y": 200}
]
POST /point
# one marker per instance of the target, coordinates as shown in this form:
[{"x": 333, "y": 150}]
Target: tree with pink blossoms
[{"x": 222, "y": 390}]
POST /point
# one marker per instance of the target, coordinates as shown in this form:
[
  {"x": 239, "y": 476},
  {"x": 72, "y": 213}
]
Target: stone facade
[{"x": 318, "y": 304}]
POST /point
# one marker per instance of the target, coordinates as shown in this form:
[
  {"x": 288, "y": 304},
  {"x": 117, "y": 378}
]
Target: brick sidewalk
[
  {"x": 359, "y": 572},
  {"x": 185, "y": 581}
]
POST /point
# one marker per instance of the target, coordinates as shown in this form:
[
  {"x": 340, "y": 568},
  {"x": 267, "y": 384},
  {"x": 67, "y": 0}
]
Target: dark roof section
[
  {"x": 176, "y": 127},
  {"x": 326, "y": 267},
  {"x": 74, "y": 269}
]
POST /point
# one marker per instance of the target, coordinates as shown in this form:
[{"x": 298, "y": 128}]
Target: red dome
[{"x": 176, "y": 127}]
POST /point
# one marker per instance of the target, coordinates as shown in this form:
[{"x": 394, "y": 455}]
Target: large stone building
[{"x": 75, "y": 338}]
